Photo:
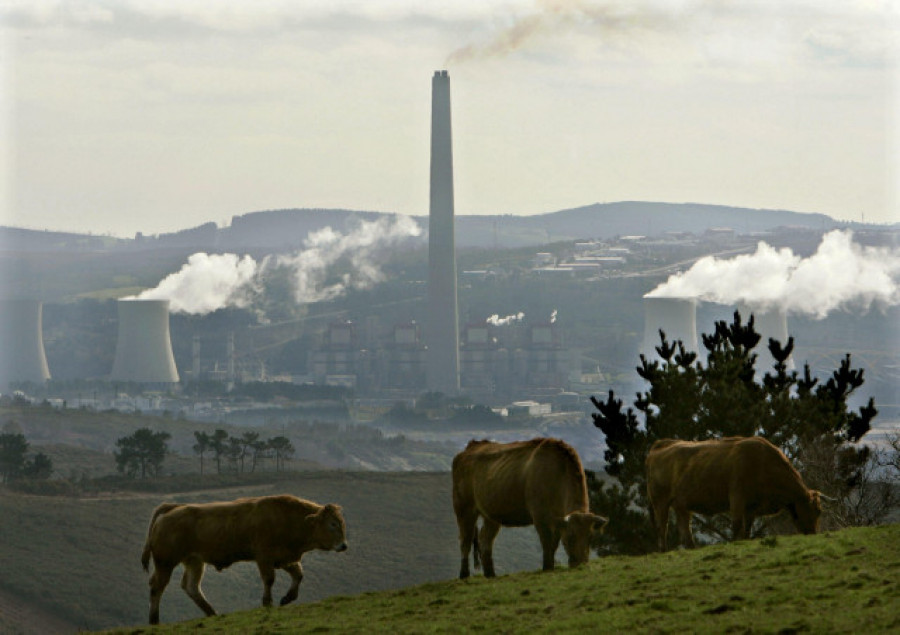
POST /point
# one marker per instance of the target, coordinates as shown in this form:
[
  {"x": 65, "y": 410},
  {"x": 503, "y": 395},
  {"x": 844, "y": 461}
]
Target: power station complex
[{"x": 489, "y": 360}]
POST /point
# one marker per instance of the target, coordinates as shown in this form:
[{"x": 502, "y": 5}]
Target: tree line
[{"x": 142, "y": 453}]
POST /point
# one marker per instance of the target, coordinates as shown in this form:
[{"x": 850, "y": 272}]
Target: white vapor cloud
[
  {"x": 840, "y": 274},
  {"x": 207, "y": 282},
  {"x": 210, "y": 282},
  {"x": 496, "y": 320}
]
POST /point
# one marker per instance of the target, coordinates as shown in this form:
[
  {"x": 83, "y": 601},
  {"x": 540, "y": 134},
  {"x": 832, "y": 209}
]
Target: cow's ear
[
  {"x": 599, "y": 522},
  {"x": 562, "y": 523}
]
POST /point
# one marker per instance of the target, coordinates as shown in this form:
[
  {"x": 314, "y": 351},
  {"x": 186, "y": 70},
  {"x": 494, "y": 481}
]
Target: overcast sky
[{"x": 120, "y": 116}]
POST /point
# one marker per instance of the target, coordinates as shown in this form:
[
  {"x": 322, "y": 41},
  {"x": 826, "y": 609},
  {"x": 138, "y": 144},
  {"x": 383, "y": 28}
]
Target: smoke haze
[
  {"x": 210, "y": 282},
  {"x": 840, "y": 274}
]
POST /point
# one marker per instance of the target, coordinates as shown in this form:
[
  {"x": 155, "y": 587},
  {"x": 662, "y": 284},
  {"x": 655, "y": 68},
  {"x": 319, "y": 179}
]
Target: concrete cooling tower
[
  {"x": 769, "y": 323},
  {"x": 442, "y": 328},
  {"x": 22, "y": 355},
  {"x": 677, "y": 317},
  {"x": 144, "y": 347}
]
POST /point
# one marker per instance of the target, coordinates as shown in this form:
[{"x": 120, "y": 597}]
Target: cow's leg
[
  {"x": 267, "y": 574},
  {"x": 158, "y": 582},
  {"x": 467, "y": 523},
  {"x": 296, "y": 572},
  {"x": 740, "y": 520},
  {"x": 683, "y": 518},
  {"x": 190, "y": 582},
  {"x": 661, "y": 522},
  {"x": 550, "y": 536},
  {"x": 489, "y": 531}
]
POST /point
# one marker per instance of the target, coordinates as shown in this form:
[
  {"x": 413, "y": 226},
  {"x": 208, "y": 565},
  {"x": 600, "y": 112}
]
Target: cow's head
[
  {"x": 330, "y": 529},
  {"x": 806, "y": 511},
  {"x": 576, "y": 530}
]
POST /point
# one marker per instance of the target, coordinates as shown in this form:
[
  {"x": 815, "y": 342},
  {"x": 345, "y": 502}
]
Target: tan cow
[
  {"x": 273, "y": 531},
  {"x": 538, "y": 482},
  {"x": 747, "y": 477}
]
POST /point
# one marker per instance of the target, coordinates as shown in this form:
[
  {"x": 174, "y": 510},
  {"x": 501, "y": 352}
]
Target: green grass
[{"x": 839, "y": 582}]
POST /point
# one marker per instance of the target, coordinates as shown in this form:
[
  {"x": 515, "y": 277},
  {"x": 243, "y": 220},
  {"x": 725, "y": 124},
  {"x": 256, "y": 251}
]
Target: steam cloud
[
  {"x": 496, "y": 320},
  {"x": 841, "y": 274},
  {"x": 210, "y": 282}
]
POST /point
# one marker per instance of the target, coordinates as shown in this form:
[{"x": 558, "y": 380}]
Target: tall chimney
[
  {"x": 442, "y": 330},
  {"x": 22, "y": 356},
  {"x": 144, "y": 346}
]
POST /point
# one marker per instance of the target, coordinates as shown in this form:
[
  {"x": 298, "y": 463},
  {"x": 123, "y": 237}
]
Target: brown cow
[
  {"x": 274, "y": 531},
  {"x": 745, "y": 476},
  {"x": 538, "y": 482}
]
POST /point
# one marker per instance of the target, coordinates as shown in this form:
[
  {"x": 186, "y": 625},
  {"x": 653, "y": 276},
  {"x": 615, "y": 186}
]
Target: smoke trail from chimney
[
  {"x": 558, "y": 15},
  {"x": 840, "y": 274},
  {"x": 208, "y": 282}
]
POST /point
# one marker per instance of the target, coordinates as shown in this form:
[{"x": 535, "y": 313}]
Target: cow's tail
[
  {"x": 476, "y": 552},
  {"x": 159, "y": 511}
]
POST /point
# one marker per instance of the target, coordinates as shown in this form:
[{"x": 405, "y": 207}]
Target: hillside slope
[{"x": 845, "y": 581}]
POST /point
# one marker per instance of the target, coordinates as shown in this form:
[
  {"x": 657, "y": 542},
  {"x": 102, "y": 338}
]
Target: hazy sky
[{"x": 120, "y": 116}]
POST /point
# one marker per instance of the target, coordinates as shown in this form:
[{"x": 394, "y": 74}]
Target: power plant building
[
  {"x": 22, "y": 357},
  {"x": 442, "y": 327},
  {"x": 144, "y": 346},
  {"x": 676, "y": 317}
]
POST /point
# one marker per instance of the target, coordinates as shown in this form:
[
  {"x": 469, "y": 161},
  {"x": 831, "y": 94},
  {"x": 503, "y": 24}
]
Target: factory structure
[
  {"x": 22, "y": 357},
  {"x": 144, "y": 346},
  {"x": 481, "y": 359},
  {"x": 492, "y": 360}
]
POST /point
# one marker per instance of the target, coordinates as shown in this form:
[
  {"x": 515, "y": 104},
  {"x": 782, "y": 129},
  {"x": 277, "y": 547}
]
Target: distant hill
[{"x": 285, "y": 230}]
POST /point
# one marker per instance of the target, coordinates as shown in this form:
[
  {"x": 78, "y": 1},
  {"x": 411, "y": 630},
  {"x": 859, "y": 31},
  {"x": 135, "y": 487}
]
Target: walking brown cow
[
  {"x": 745, "y": 476},
  {"x": 538, "y": 482},
  {"x": 274, "y": 531}
]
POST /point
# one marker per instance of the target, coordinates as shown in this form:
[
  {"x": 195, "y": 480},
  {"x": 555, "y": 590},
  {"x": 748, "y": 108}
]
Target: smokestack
[
  {"x": 22, "y": 355},
  {"x": 144, "y": 348},
  {"x": 769, "y": 323},
  {"x": 677, "y": 317},
  {"x": 229, "y": 352},
  {"x": 442, "y": 334},
  {"x": 195, "y": 357}
]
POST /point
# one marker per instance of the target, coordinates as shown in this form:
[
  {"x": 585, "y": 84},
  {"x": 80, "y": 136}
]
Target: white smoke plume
[
  {"x": 311, "y": 266},
  {"x": 841, "y": 274},
  {"x": 210, "y": 282},
  {"x": 207, "y": 282},
  {"x": 496, "y": 320}
]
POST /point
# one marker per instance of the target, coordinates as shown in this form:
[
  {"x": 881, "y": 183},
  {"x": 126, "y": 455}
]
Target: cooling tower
[
  {"x": 677, "y": 317},
  {"x": 144, "y": 348},
  {"x": 22, "y": 355},
  {"x": 769, "y": 323},
  {"x": 442, "y": 329}
]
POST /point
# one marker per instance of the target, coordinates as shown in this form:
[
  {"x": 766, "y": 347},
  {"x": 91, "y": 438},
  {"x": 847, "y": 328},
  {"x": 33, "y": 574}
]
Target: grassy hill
[
  {"x": 78, "y": 560},
  {"x": 839, "y": 582}
]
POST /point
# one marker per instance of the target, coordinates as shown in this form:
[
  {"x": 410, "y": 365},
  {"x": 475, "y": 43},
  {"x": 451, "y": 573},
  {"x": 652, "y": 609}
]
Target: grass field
[
  {"x": 79, "y": 559},
  {"x": 839, "y": 582}
]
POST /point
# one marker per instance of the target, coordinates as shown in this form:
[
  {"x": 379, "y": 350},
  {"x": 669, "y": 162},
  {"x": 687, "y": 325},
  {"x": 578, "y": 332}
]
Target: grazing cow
[
  {"x": 538, "y": 482},
  {"x": 745, "y": 476},
  {"x": 274, "y": 531}
]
